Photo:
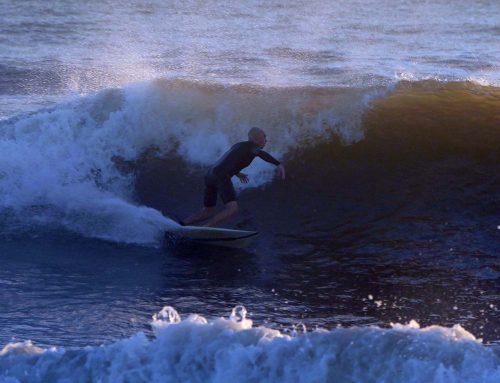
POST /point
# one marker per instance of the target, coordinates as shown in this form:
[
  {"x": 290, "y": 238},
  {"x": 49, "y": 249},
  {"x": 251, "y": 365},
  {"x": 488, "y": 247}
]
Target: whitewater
[{"x": 221, "y": 350}]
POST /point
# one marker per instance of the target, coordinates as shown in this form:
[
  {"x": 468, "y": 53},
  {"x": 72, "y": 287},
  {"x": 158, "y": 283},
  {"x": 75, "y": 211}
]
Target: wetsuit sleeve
[{"x": 267, "y": 157}]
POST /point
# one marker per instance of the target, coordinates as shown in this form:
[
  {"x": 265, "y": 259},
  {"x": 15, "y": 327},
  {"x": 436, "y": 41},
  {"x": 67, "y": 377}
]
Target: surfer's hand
[
  {"x": 281, "y": 170},
  {"x": 243, "y": 177}
]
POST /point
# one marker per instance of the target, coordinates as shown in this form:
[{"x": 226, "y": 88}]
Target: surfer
[{"x": 218, "y": 178}]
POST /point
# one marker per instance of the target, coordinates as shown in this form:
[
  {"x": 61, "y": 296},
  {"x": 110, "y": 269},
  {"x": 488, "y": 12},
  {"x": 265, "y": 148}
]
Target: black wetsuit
[{"x": 218, "y": 178}]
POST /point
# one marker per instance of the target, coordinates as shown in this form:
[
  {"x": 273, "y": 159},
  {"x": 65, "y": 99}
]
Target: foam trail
[{"x": 222, "y": 350}]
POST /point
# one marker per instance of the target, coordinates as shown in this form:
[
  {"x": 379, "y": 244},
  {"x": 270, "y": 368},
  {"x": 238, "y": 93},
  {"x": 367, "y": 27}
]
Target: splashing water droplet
[
  {"x": 167, "y": 314},
  {"x": 238, "y": 314},
  {"x": 298, "y": 329}
]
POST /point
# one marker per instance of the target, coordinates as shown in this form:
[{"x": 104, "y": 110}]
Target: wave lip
[
  {"x": 222, "y": 350},
  {"x": 433, "y": 119}
]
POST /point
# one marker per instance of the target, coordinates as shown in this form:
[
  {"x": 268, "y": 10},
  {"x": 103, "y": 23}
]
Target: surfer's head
[{"x": 257, "y": 136}]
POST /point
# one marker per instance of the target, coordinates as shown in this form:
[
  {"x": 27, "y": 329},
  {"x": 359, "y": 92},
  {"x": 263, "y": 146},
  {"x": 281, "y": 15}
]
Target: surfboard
[{"x": 215, "y": 236}]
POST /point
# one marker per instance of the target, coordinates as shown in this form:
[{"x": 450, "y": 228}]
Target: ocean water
[{"x": 379, "y": 255}]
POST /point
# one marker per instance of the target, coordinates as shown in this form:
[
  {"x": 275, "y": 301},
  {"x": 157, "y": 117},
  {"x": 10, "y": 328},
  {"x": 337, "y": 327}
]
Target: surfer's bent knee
[{"x": 232, "y": 205}]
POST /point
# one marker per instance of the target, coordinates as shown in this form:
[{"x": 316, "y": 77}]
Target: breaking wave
[
  {"x": 62, "y": 167},
  {"x": 222, "y": 350}
]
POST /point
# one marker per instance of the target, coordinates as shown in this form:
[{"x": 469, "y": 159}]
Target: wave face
[
  {"x": 60, "y": 167},
  {"x": 222, "y": 350},
  {"x": 432, "y": 120}
]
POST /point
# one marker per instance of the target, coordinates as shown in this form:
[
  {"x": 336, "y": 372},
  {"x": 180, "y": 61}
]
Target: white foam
[
  {"x": 230, "y": 350},
  {"x": 480, "y": 80}
]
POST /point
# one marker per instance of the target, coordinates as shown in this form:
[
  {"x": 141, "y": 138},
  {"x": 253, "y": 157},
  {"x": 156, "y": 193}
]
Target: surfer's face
[{"x": 260, "y": 139}]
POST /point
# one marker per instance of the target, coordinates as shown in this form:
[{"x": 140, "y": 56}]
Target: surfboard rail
[{"x": 215, "y": 235}]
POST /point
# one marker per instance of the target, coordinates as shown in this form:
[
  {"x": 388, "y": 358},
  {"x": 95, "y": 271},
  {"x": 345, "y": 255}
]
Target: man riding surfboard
[{"x": 218, "y": 178}]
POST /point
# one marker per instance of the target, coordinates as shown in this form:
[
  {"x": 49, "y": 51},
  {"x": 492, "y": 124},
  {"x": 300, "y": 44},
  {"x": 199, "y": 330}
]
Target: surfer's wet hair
[{"x": 254, "y": 131}]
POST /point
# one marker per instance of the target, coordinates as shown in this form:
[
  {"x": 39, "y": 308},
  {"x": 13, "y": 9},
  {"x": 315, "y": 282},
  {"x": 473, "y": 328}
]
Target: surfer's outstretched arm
[
  {"x": 281, "y": 170},
  {"x": 268, "y": 158}
]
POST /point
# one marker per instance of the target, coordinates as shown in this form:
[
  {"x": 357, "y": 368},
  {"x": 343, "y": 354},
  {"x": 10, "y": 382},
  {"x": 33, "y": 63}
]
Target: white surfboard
[{"x": 215, "y": 235}]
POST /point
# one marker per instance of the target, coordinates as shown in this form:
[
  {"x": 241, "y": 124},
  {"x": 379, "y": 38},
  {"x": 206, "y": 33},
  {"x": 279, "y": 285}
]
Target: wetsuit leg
[
  {"x": 226, "y": 190},
  {"x": 210, "y": 195}
]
